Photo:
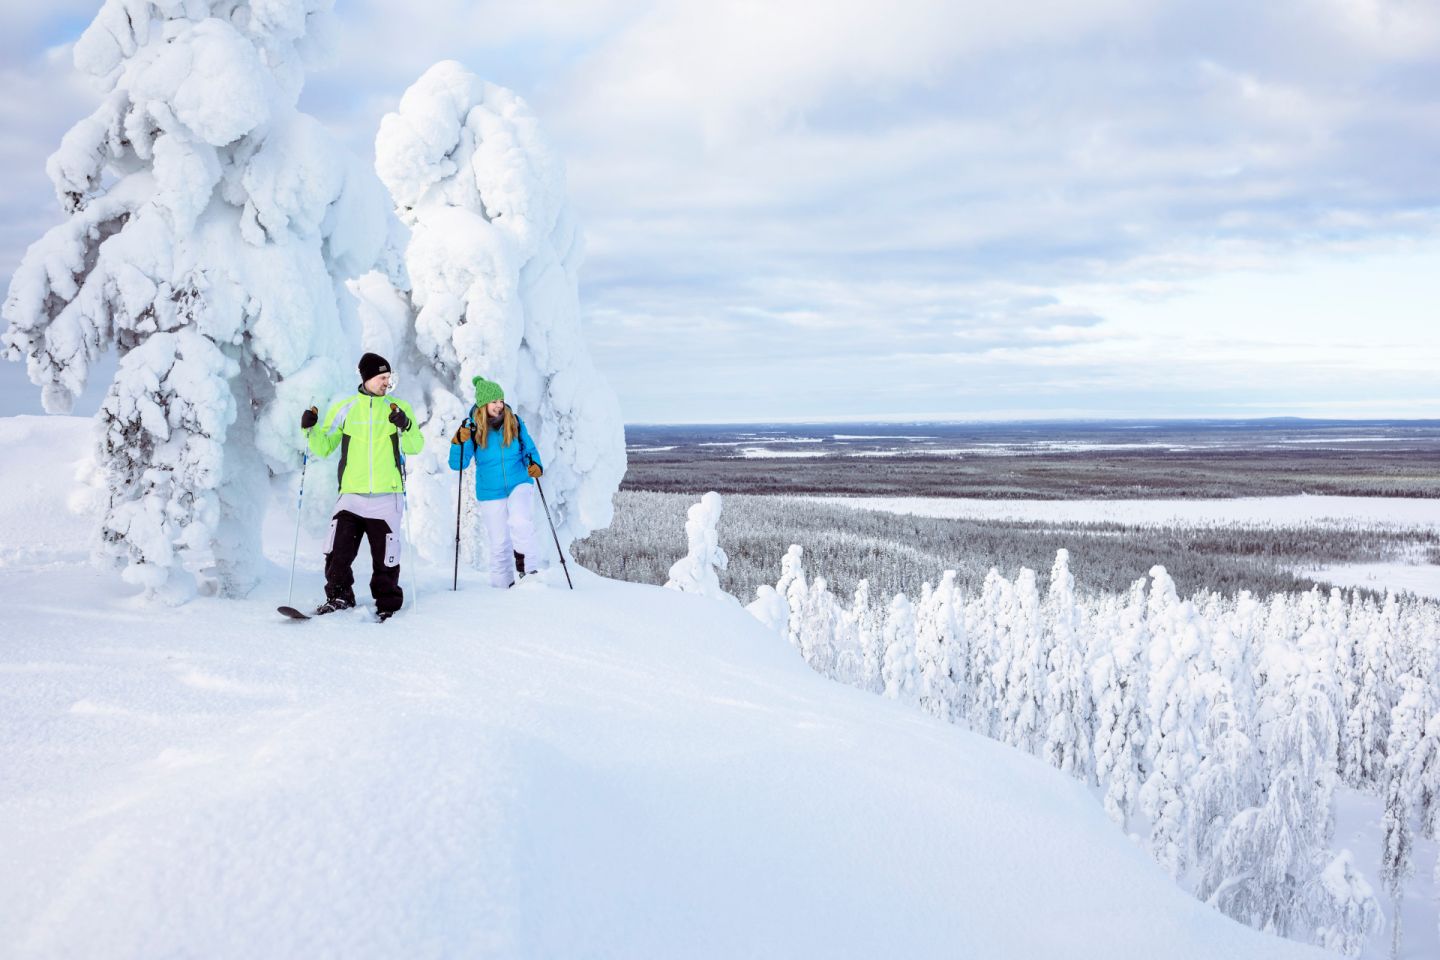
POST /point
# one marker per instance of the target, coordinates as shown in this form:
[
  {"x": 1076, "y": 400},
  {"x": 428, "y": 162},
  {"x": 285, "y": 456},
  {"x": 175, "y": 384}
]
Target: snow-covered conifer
[
  {"x": 869, "y": 638},
  {"x": 699, "y": 570},
  {"x": 1227, "y": 780},
  {"x": 817, "y": 632},
  {"x": 1259, "y": 877},
  {"x": 986, "y": 623},
  {"x": 934, "y": 640},
  {"x": 1367, "y": 726},
  {"x": 1022, "y": 719},
  {"x": 899, "y": 671},
  {"x": 1177, "y": 661},
  {"x": 1407, "y": 730},
  {"x": 794, "y": 588},
  {"x": 1424, "y": 777},
  {"x": 770, "y": 609},
  {"x": 1348, "y": 910},
  {"x": 210, "y": 226},
  {"x": 492, "y": 265},
  {"x": 1117, "y": 680},
  {"x": 1068, "y": 705}
]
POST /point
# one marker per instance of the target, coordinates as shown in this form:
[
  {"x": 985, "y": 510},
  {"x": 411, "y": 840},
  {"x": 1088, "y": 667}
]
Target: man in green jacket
[{"x": 374, "y": 433}]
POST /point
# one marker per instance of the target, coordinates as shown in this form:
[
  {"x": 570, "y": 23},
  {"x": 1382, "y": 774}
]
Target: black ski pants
[{"x": 346, "y": 531}]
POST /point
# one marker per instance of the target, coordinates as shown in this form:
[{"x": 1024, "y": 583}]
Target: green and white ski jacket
[{"x": 371, "y": 448}]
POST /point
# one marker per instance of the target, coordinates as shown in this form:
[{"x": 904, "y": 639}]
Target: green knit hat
[{"x": 486, "y": 391}]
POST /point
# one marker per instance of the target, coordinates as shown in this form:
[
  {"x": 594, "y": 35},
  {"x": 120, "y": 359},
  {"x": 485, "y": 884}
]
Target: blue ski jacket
[{"x": 498, "y": 469}]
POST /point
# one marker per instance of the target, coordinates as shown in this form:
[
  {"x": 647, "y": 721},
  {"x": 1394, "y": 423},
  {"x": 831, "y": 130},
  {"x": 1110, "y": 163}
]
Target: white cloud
[{"x": 962, "y": 199}]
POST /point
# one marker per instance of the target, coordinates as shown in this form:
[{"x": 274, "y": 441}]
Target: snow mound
[{"x": 617, "y": 771}]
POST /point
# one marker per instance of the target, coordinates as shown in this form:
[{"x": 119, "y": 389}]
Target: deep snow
[{"x": 617, "y": 771}]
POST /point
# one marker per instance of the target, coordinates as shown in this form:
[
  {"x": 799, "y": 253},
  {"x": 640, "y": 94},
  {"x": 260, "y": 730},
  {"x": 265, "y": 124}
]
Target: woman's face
[{"x": 494, "y": 408}]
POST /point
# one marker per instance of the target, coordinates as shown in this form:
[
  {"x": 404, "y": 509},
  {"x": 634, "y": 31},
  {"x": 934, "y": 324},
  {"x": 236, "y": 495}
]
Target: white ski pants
[{"x": 509, "y": 530}]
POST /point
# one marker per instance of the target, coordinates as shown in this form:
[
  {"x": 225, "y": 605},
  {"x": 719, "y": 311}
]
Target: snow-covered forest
[{"x": 1217, "y": 729}]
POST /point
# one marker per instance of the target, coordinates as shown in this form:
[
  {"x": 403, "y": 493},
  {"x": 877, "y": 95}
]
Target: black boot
[
  {"x": 333, "y": 604},
  {"x": 519, "y": 563}
]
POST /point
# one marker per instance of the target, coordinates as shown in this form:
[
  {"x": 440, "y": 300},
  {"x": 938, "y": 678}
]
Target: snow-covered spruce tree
[
  {"x": 770, "y": 609},
  {"x": 1117, "y": 680},
  {"x": 1176, "y": 664},
  {"x": 1069, "y": 731},
  {"x": 1235, "y": 645},
  {"x": 1424, "y": 776},
  {"x": 1395, "y": 863},
  {"x": 817, "y": 633},
  {"x": 899, "y": 671},
  {"x": 953, "y": 690},
  {"x": 933, "y": 639},
  {"x": 1367, "y": 724},
  {"x": 210, "y": 225},
  {"x": 1346, "y": 901},
  {"x": 1022, "y": 715},
  {"x": 794, "y": 589},
  {"x": 870, "y": 637},
  {"x": 850, "y": 629},
  {"x": 491, "y": 263},
  {"x": 699, "y": 570},
  {"x": 1227, "y": 780},
  {"x": 987, "y": 623},
  {"x": 1407, "y": 731}
]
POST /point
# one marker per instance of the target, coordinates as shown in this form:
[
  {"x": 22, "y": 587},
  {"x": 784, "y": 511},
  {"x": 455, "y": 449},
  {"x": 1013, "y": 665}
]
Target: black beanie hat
[{"x": 372, "y": 365}]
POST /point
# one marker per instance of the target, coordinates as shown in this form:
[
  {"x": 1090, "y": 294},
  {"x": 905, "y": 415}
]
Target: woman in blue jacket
[{"x": 506, "y": 465}]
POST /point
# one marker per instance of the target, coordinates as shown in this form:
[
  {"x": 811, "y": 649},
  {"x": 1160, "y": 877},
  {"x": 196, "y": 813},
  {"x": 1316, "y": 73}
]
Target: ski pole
[
  {"x": 552, "y": 531},
  {"x": 299, "y": 512},
  {"x": 405, "y": 509},
  {"x": 459, "y": 497}
]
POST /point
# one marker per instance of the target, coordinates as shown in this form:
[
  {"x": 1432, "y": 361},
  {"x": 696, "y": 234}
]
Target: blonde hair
[{"x": 509, "y": 427}]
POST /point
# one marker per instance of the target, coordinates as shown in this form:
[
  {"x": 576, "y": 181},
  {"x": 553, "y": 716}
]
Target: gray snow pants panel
[{"x": 346, "y": 532}]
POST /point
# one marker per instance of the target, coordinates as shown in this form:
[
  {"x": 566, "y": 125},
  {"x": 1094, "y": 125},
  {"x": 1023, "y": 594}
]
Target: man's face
[{"x": 378, "y": 384}]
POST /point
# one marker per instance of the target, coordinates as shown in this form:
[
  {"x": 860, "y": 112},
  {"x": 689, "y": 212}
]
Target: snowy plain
[
  {"x": 618, "y": 771},
  {"x": 1325, "y": 511}
]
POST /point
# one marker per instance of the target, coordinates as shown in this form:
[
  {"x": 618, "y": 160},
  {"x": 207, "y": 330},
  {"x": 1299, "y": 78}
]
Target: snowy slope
[{"x": 621, "y": 771}]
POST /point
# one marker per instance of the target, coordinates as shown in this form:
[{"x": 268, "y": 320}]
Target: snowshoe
[{"x": 332, "y": 605}]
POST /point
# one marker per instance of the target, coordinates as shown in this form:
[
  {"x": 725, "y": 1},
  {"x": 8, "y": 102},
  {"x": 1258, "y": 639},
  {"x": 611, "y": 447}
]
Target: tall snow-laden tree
[
  {"x": 1350, "y": 914},
  {"x": 210, "y": 226},
  {"x": 1424, "y": 776},
  {"x": 869, "y": 637},
  {"x": 1068, "y": 733},
  {"x": 936, "y": 636},
  {"x": 1118, "y": 685},
  {"x": 817, "y": 633},
  {"x": 899, "y": 671},
  {"x": 1177, "y": 661},
  {"x": 1022, "y": 716},
  {"x": 986, "y": 622},
  {"x": 1407, "y": 732},
  {"x": 699, "y": 570},
  {"x": 492, "y": 262},
  {"x": 1228, "y": 779},
  {"x": 1367, "y": 724},
  {"x": 793, "y": 587}
]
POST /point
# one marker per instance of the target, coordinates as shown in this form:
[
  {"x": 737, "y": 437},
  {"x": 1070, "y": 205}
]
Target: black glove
[
  {"x": 397, "y": 417},
  {"x": 309, "y": 418}
]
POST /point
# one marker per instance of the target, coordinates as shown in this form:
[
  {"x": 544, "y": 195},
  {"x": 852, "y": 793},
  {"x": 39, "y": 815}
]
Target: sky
[{"x": 927, "y": 208}]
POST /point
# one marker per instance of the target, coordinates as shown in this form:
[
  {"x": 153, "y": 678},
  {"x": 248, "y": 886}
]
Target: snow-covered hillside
[{"x": 618, "y": 771}]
